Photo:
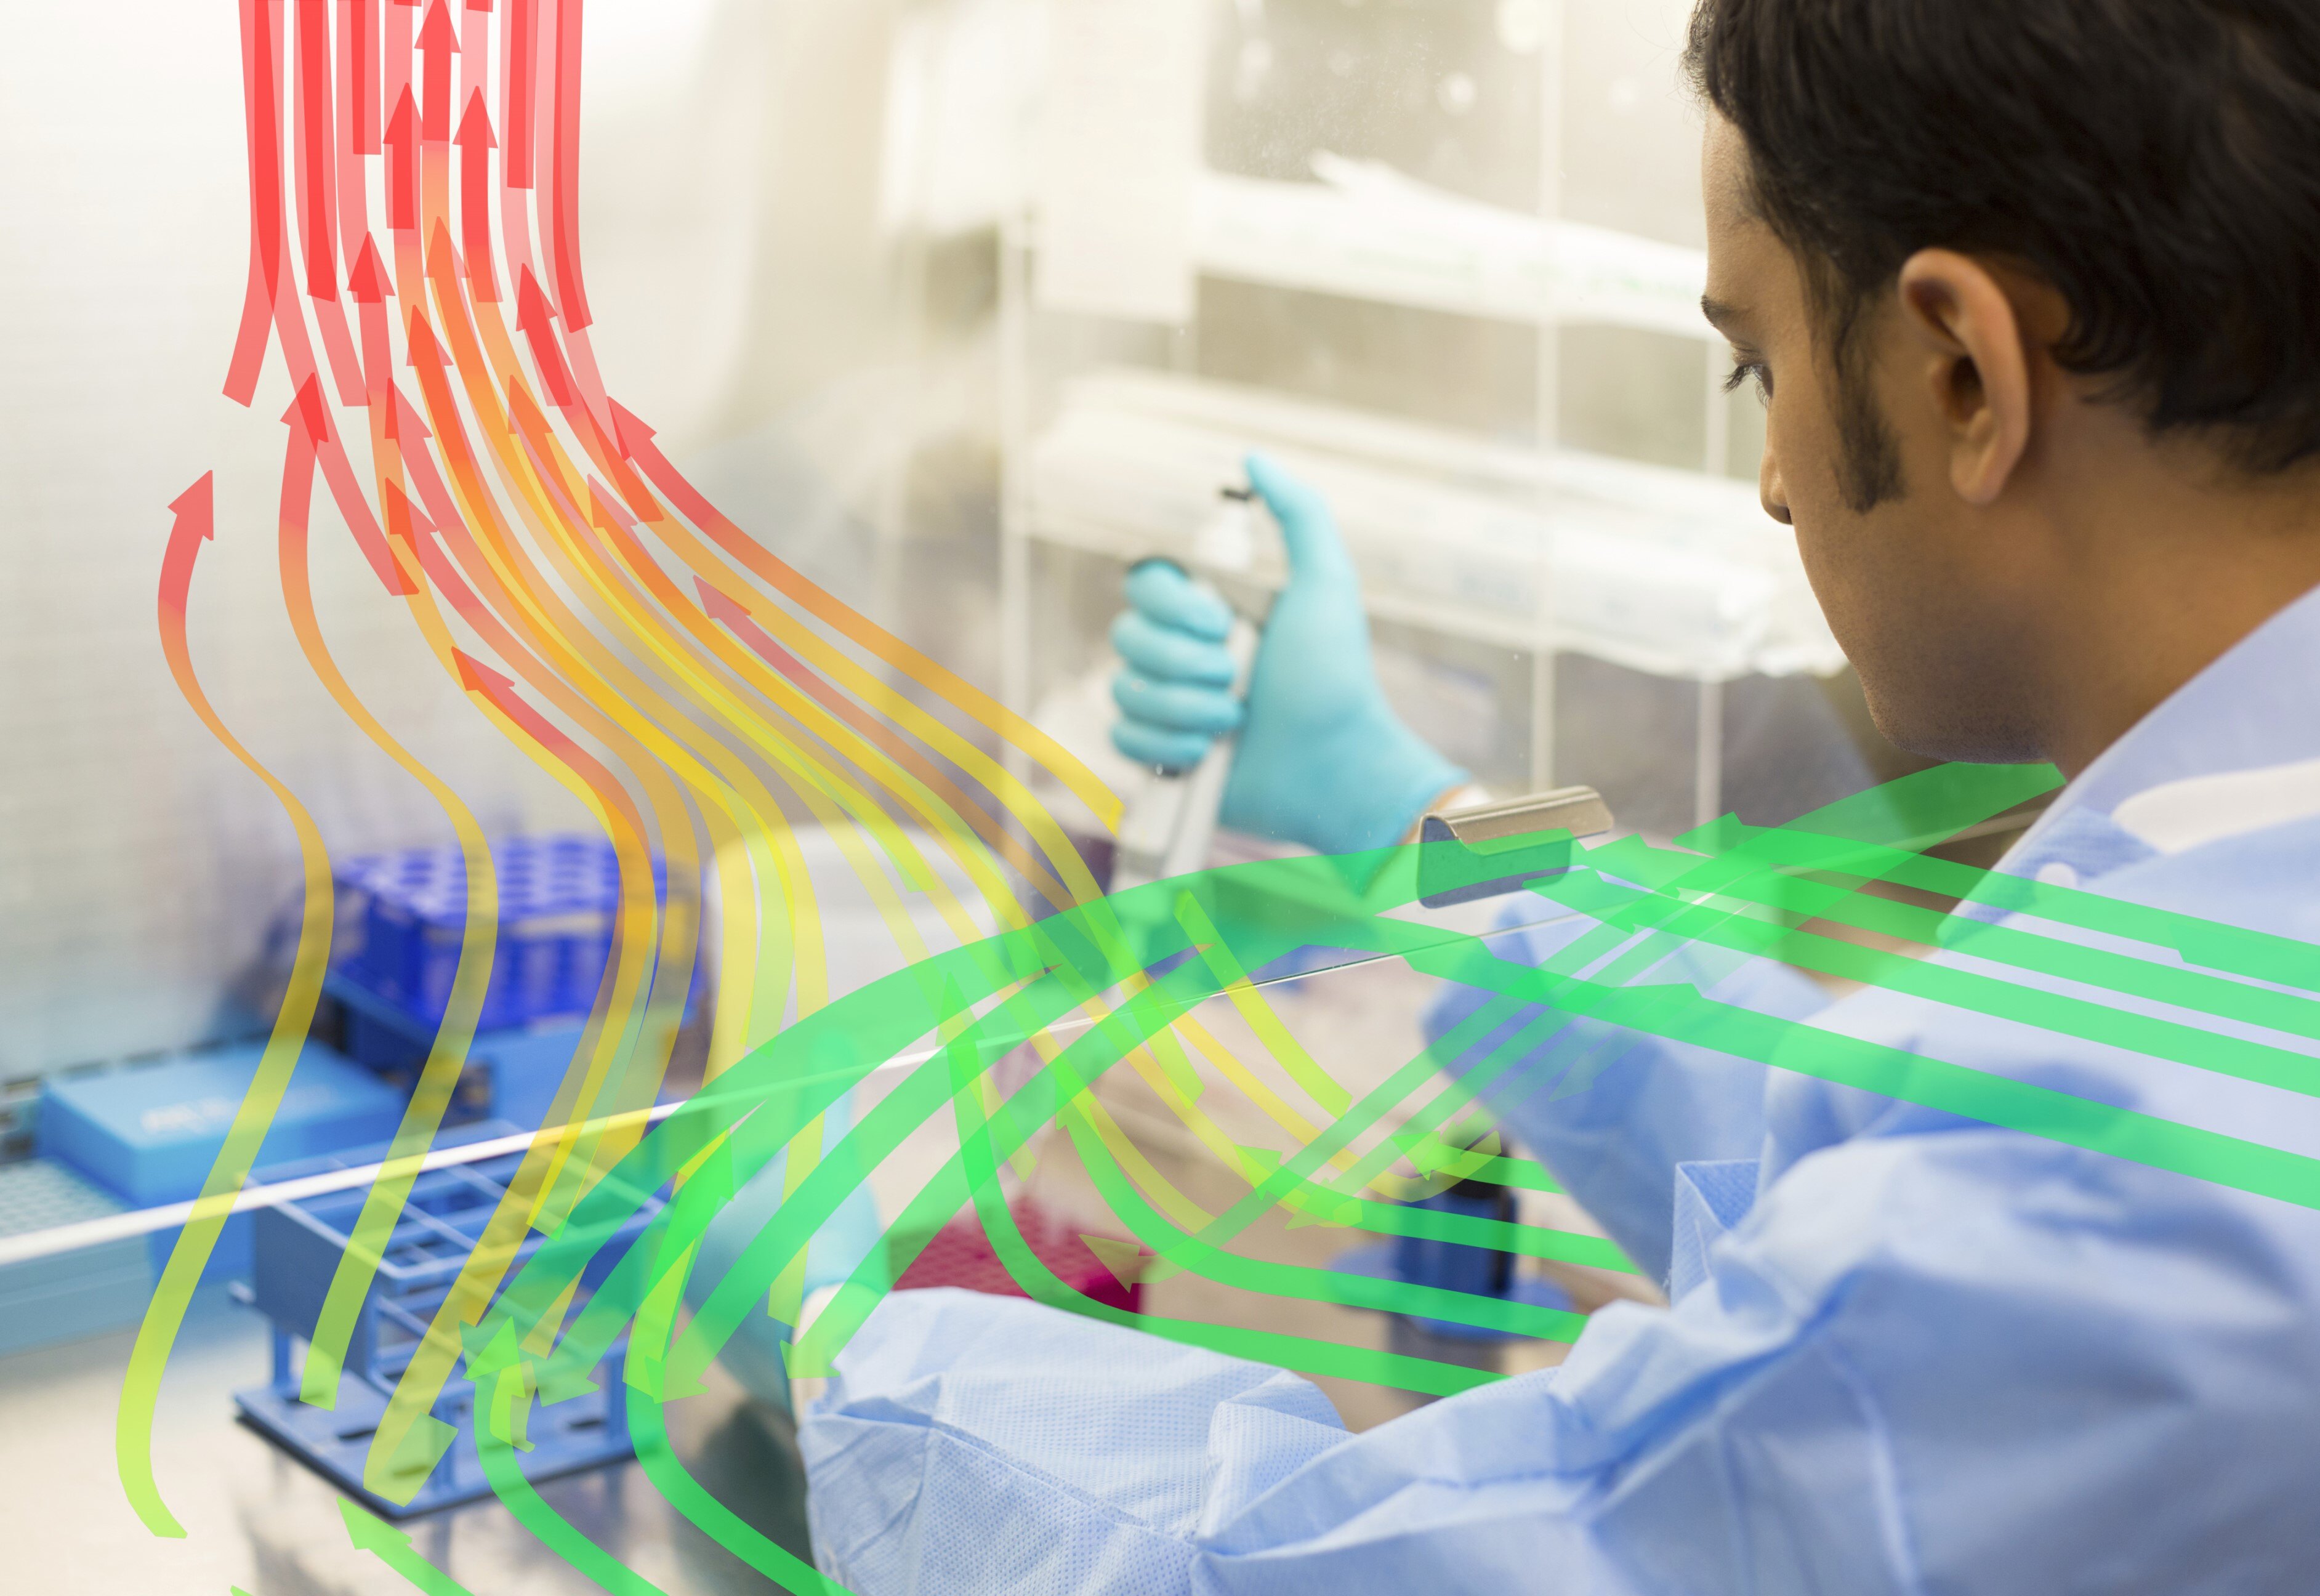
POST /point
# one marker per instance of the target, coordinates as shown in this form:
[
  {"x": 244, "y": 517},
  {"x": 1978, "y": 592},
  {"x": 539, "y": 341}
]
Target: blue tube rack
[
  {"x": 298, "y": 1246},
  {"x": 1454, "y": 1266}
]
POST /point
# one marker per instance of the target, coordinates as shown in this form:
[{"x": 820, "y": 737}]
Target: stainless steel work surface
[{"x": 260, "y": 1521}]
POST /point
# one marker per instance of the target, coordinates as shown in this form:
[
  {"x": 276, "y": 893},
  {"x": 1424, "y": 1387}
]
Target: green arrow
[{"x": 391, "y": 1547}]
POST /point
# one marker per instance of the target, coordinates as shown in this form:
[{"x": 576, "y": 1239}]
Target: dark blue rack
[{"x": 403, "y": 918}]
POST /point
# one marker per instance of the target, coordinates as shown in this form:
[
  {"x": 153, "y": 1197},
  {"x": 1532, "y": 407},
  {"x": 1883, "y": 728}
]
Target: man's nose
[{"x": 1772, "y": 491}]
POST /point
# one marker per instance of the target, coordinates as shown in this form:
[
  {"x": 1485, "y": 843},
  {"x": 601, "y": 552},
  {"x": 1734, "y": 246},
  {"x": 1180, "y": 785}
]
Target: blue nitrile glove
[{"x": 1322, "y": 760}]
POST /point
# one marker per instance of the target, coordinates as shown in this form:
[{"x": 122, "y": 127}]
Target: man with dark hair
[{"x": 2031, "y": 290}]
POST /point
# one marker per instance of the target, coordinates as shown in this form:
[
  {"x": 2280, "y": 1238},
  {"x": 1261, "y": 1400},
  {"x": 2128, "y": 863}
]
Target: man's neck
[{"x": 2160, "y": 587}]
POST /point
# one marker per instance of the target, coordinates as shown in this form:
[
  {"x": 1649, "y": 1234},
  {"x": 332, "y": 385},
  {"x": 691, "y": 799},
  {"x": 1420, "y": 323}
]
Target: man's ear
[{"x": 1977, "y": 368}]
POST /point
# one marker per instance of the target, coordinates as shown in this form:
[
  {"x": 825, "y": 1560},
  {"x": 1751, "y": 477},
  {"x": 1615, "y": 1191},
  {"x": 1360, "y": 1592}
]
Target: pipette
[{"x": 1171, "y": 823}]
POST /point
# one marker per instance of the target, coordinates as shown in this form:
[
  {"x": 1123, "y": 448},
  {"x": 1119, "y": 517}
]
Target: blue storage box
[
  {"x": 149, "y": 1133},
  {"x": 84, "y": 1292}
]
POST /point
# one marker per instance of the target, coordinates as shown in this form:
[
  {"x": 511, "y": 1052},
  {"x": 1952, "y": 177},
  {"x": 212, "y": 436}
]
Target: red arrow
[
  {"x": 522, "y": 60},
  {"x": 533, "y": 315},
  {"x": 630, "y": 443},
  {"x": 636, "y": 443},
  {"x": 395, "y": 60},
  {"x": 261, "y": 71},
  {"x": 195, "y": 525},
  {"x": 317, "y": 163},
  {"x": 309, "y": 414},
  {"x": 475, "y": 144},
  {"x": 410, "y": 423},
  {"x": 631, "y": 433},
  {"x": 368, "y": 282},
  {"x": 359, "y": 52},
  {"x": 298, "y": 471},
  {"x": 358, "y": 119},
  {"x": 722, "y": 607},
  {"x": 485, "y": 683},
  {"x": 481, "y": 679},
  {"x": 635, "y": 440},
  {"x": 564, "y": 191},
  {"x": 403, "y": 164},
  {"x": 438, "y": 42},
  {"x": 369, "y": 278}
]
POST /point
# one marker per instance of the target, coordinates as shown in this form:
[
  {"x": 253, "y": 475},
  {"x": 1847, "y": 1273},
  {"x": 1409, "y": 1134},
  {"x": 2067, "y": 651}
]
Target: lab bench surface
[{"x": 260, "y": 1521}]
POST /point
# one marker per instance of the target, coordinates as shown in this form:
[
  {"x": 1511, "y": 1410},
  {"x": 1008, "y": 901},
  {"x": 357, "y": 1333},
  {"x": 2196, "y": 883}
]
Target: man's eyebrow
[{"x": 1720, "y": 316}]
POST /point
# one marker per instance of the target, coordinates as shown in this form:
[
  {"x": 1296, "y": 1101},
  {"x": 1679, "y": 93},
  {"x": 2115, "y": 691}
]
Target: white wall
[
  {"x": 139, "y": 862},
  {"x": 136, "y": 861}
]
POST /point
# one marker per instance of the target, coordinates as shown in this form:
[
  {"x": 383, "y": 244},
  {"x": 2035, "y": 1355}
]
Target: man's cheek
[{"x": 1835, "y": 564}]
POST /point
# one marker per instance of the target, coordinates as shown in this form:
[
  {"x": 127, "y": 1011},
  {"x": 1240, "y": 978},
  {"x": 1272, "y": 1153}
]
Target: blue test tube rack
[{"x": 298, "y": 1245}]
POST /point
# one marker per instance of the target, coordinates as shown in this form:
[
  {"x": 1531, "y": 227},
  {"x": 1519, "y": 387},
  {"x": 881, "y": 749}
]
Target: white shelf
[
  {"x": 1367, "y": 233},
  {"x": 1669, "y": 572}
]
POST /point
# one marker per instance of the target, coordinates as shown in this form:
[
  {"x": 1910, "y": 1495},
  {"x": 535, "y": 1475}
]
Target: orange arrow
[
  {"x": 150, "y": 1358},
  {"x": 476, "y": 142},
  {"x": 309, "y": 420}
]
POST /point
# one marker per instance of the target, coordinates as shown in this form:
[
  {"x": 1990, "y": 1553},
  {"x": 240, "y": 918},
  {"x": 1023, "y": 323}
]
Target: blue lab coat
[{"x": 1906, "y": 1351}]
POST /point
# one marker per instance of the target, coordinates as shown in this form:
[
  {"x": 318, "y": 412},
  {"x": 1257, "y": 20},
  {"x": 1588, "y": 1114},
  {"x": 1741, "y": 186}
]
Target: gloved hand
[{"x": 1322, "y": 760}]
